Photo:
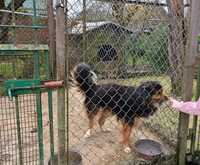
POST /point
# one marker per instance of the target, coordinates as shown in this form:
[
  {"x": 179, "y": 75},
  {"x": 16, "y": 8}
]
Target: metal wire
[
  {"x": 124, "y": 42},
  {"x": 22, "y": 24},
  {"x": 147, "y": 46}
]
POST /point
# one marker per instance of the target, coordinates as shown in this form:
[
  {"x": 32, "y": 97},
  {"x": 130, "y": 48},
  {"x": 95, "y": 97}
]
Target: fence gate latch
[{"x": 19, "y": 87}]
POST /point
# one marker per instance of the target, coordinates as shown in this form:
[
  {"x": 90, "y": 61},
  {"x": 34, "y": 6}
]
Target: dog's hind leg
[
  {"x": 104, "y": 114},
  {"x": 91, "y": 117},
  {"x": 126, "y": 132}
]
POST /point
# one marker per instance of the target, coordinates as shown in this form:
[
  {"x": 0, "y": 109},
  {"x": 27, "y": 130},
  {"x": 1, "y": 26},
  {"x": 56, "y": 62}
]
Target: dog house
[{"x": 107, "y": 51}]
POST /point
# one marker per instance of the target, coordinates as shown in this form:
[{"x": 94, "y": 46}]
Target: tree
[
  {"x": 126, "y": 14},
  {"x": 5, "y": 18}
]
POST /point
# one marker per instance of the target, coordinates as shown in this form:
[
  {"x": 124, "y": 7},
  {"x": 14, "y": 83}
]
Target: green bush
[{"x": 155, "y": 46}]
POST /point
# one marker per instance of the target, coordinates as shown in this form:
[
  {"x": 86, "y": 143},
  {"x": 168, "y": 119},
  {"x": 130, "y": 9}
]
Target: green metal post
[
  {"x": 46, "y": 54},
  {"x": 39, "y": 108},
  {"x": 38, "y": 94},
  {"x": 36, "y": 53},
  {"x": 50, "y": 107},
  {"x": 198, "y": 43},
  {"x": 14, "y": 69},
  {"x": 39, "y": 126},
  {"x": 36, "y": 64},
  {"x": 13, "y": 22},
  {"x": 34, "y": 20},
  {"x": 18, "y": 131},
  {"x": 51, "y": 124}
]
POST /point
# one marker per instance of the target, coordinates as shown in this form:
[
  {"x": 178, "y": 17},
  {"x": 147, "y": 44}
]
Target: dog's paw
[
  {"x": 105, "y": 129},
  {"x": 87, "y": 134},
  {"x": 127, "y": 150}
]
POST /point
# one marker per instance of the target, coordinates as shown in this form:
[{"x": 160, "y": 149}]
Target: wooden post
[
  {"x": 189, "y": 65},
  {"x": 52, "y": 42},
  {"x": 60, "y": 54},
  {"x": 84, "y": 32}
]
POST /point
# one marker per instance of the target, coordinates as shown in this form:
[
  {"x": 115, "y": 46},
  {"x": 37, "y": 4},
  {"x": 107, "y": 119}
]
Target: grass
[{"x": 163, "y": 79}]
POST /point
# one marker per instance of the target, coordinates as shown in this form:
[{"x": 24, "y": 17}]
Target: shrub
[{"x": 155, "y": 47}]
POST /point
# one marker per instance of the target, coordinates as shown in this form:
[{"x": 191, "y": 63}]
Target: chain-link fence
[
  {"x": 124, "y": 43},
  {"x": 23, "y": 22}
]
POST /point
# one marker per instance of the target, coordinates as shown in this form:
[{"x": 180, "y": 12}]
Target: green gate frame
[{"x": 14, "y": 88}]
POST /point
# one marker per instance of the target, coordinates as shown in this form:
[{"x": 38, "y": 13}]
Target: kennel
[{"x": 27, "y": 121}]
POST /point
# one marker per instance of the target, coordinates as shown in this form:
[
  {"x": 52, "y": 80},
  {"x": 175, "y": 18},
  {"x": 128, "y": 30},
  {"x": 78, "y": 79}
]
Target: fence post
[
  {"x": 189, "y": 64},
  {"x": 52, "y": 43},
  {"x": 60, "y": 54},
  {"x": 84, "y": 31}
]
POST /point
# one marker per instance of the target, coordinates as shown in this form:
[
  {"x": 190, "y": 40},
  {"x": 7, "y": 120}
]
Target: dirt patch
[{"x": 101, "y": 148}]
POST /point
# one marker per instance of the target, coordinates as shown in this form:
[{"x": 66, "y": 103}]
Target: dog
[{"x": 127, "y": 103}]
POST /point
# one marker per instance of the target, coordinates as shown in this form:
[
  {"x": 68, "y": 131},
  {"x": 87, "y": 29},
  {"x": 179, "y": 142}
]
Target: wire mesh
[
  {"x": 125, "y": 42},
  {"x": 23, "y": 22},
  {"x": 9, "y": 150},
  {"x": 18, "y": 118},
  {"x": 21, "y": 65}
]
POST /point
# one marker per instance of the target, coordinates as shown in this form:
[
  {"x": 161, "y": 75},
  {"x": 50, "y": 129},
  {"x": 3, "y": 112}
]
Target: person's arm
[{"x": 188, "y": 107}]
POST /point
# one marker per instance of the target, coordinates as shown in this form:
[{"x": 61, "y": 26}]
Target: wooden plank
[
  {"x": 52, "y": 42},
  {"x": 190, "y": 58},
  {"x": 60, "y": 60}
]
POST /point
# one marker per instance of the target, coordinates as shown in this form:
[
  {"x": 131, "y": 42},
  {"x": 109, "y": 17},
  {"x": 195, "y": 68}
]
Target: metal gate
[{"x": 21, "y": 113}]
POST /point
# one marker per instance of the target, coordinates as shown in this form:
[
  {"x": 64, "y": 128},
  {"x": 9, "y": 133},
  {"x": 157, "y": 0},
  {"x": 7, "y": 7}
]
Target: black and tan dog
[{"x": 127, "y": 103}]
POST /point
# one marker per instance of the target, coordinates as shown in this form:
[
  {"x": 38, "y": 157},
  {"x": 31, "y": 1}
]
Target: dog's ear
[
  {"x": 143, "y": 91},
  {"x": 146, "y": 85},
  {"x": 150, "y": 86}
]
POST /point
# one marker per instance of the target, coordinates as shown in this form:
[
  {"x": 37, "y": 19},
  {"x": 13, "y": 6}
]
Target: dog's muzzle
[{"x": 94, "y": 76}]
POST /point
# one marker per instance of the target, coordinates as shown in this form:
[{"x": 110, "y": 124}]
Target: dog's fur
[{"x": 127, "y": 103}]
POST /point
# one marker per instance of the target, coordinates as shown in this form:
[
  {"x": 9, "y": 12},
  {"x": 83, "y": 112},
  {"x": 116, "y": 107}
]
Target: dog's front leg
[{"x": 91, "y": 125}]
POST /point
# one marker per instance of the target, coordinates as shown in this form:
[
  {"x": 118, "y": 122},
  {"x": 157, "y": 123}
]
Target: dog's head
[
  {"x": 153, "y": 92},
  {"x": 83, "y": 75}
]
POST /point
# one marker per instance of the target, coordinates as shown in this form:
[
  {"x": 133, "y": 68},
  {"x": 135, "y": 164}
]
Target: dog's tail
[{"x": 84, "y": 77}]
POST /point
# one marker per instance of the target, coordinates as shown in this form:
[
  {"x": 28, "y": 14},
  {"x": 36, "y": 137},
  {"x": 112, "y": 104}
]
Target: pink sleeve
[{"x": 189, "y": 107}]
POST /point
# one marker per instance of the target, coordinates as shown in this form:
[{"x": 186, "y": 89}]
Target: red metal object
[{"x": 53, "y": 84}]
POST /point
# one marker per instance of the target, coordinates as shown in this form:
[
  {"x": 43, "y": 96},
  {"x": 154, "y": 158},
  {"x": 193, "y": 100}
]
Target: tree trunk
[{"x": 176, "y": 44}]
